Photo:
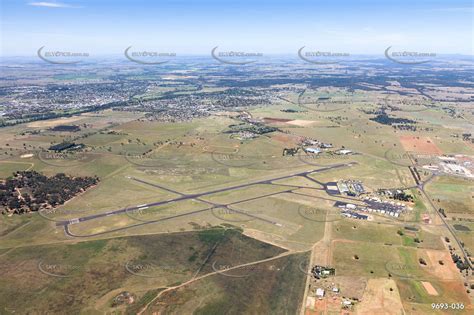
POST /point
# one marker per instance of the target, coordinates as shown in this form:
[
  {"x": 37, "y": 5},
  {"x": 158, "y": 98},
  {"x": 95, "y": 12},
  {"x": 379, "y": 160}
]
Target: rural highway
[{"x": 421, "y": 187}]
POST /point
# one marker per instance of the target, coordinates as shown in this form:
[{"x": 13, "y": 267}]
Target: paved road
[
  {"x": 421, "y": 187},
  {"x": 446, "y": 224}
]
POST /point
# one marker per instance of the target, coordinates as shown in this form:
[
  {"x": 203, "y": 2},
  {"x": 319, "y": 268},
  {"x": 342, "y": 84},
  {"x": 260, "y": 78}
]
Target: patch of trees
[
  {"x": 28, "y": 191},
  {"x": 21, "y": 118},
  {"x": 256, "y": 128},
  {"x": 68, "y": 128},
  {"x": 462, "y": 265},
  {"x": 290, "y": 151},
  {"x": 403, "y": 196},
  {"x": 396, "y": 194},
  {"x": 384, "y": 119}
]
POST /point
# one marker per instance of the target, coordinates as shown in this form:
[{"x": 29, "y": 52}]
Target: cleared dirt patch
[
  {"x": 301, "y": 123},
  {"x": 352, "y": 287},
  {"x": 286, "y": 139},
  {"x": 380, "y": 297},
  {"x": 446, "y": 271},
  {"x": 54, "y": 122},
  {"x": 429, "y": 288},
  {"x": 270, "y": 120},
  {"x": 265, "y": 237},
  {"x": 419, "y": 145}
]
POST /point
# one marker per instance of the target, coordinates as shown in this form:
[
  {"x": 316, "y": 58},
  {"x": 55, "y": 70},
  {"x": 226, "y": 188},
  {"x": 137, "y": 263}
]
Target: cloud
[{"x": 52, "y": 5}]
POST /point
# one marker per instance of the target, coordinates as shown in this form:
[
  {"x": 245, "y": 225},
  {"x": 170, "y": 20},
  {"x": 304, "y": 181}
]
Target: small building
[
  {"x": 426, "y": 218},
  {"x": 66, "y": 146},
  {"x": 325, "y": 145},
  {"x": 344, "y": 152},
  {"x": 320, "y": 292},
  {"x": 312, "y": 150}
]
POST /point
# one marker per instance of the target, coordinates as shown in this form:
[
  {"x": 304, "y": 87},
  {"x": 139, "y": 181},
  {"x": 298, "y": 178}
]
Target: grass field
[
  {"x": 453, "y": 194},
  {"x": 57, "y": 273},
  {"x": 68, "y": 278},
  {"x": 274, "y": 287}
]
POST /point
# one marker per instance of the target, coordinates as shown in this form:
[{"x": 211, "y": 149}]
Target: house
[
  {"x": 312, "y": 150},
  {"x": 344, "y": 152},
  {"x": 426, "y": 218},
  {"x": 66, "y": 146},
  {"x": 320, "y": 292}
]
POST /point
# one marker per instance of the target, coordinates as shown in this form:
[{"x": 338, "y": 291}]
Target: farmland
[{"x": 244, "y": 196}]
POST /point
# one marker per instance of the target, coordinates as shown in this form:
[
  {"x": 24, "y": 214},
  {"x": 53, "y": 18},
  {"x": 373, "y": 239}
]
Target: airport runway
[{"x": 196, "y": 196}]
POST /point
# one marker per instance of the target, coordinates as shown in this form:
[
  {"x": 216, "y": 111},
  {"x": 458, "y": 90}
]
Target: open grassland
[
  {"x": 374, "y": 232},
  {"x": 168, "y": 244},
  {"x": 298, "y": 230},
  {"x": 274, "y": 287},
  {"x": 455, "y": 195},
  {"x": 371, "y": 260},
  {"x": 72, "y": 278},
  {"x": 465, "y": 232},
  {"x": 416, "y": 299}
]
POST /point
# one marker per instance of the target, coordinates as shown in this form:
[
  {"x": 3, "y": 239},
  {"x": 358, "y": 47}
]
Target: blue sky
[{"x": 271, "y": 27}]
